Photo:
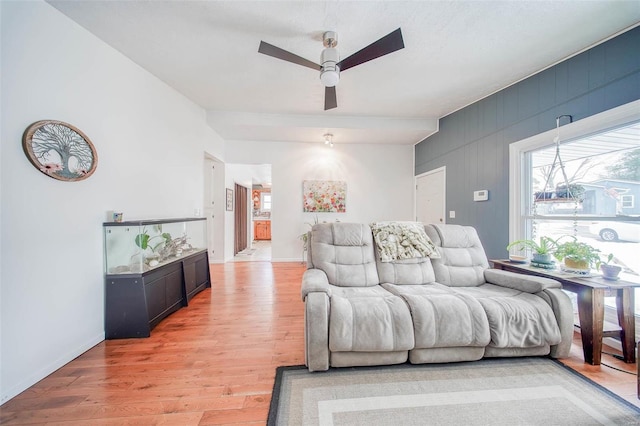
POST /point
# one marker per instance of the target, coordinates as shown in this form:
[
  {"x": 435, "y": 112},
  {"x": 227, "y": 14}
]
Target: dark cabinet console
[{"x": 150, "y": 273}]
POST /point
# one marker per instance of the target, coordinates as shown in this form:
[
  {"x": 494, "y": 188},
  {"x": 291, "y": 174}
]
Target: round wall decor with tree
[{"x": 59, "y": 150}]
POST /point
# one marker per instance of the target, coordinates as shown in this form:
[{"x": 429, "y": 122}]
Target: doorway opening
[{"x": 253, "y": 211}]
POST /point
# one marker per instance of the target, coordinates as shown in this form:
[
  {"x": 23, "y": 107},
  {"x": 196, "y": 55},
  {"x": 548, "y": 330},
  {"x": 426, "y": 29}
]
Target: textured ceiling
[{"x": 456, "y": 52}]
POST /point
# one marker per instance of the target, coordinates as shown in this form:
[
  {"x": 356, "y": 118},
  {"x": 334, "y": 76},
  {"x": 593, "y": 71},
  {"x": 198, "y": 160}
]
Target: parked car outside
[{"x": 616, "y": 231}]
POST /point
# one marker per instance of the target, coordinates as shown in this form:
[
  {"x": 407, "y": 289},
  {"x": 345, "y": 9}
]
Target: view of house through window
[{"x": 589, "y": 188}]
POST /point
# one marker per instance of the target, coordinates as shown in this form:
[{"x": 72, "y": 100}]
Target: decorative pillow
[{"x": 402, "y": 240}]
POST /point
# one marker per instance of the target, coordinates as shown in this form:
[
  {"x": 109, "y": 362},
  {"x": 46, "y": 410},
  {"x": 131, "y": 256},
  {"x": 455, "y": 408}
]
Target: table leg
[
  {"x": 591, "y": 313},
  {"x": 626, "y": 320}
]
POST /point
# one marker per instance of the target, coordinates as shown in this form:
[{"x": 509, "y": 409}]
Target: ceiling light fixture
[
  {"x": 329, "y": 58},
  {"x": 328, "y": 139}
]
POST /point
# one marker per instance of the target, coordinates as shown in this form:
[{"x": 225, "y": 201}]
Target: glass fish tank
[{"x": 135, "y": 247}]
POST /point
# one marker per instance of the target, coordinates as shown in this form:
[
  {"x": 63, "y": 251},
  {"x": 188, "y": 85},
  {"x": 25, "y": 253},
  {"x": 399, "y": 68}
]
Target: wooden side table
[{"x": 591, "y": 292}]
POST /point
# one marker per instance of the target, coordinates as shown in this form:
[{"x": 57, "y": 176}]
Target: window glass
[
  {"x": 586, "y": 188},
  {"x": 266, "y": 201},
  {"x": 627, "y": 201}
]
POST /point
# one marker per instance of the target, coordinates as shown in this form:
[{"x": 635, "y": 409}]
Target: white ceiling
[{"x": 456, "y": 52}]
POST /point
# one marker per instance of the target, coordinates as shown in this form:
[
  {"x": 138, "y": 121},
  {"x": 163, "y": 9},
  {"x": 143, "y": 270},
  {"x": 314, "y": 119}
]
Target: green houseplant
[
  {"x": 145, "y": 241},
  {"x": 578, "y": 255},
  {"x": 542, "y": 251}
]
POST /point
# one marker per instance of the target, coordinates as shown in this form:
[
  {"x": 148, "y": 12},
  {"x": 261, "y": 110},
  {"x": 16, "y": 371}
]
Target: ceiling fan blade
[
  {"x": 276, "y": 52},
  {"x": 330, "y": 100},
  {"x": 387, "y": 44}
]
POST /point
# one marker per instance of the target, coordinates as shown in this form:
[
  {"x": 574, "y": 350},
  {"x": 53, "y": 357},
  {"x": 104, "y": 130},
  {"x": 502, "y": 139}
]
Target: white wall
[
  {"x": 379, "y": 184},
  {"x": 150, "y": 142}
]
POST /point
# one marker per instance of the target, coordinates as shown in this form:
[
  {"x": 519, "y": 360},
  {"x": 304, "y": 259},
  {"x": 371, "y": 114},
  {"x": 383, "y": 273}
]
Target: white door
[
  {"x": 214, "y": 207},
  {"x": 430, "y": 196},
  {"x": 209, "y": 203}
]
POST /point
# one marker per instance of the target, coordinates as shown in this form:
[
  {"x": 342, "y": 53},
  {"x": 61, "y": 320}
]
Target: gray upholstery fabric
[
  {"x": 443, "y": 318},
  {"x": 406, "y": 271},
  {"x": 516, "y": 319},
  {"x": 462, "y": 259},
  {"x": 316, "y": 331},
  {"x": 350, "y": 359},
  {"x": 314, "y": 280},
  {"x": 528, "y": 283},
  {"x": 349, "y": 292},
  {"x": 453, "y": 354},
  {"x": 344, "y": 251},
  {"x": 369, "y": 324},
  {"x": 491, "y": 352},
  {"x": 563, "y": 311}
]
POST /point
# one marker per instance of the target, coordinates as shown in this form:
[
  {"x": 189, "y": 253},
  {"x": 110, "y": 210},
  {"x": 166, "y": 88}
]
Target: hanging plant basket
[{"x": 573, "y": 192}]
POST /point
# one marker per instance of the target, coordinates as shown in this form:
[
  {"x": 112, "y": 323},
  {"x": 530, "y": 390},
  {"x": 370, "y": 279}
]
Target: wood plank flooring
[{"x": 210, "y": 363}]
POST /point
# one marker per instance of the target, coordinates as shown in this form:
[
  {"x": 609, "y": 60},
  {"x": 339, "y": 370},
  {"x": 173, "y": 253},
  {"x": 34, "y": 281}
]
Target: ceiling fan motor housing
[{"x": 330, "y": 74}]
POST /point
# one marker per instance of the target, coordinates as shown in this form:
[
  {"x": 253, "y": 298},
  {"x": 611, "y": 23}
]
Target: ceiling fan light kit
[
  {"x": 330, "y": 59},
  {"x": 330, "y": 74}
]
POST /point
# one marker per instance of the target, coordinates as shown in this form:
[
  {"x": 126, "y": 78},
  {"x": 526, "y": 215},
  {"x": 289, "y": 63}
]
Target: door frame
[{"x": 442, "y": 170}]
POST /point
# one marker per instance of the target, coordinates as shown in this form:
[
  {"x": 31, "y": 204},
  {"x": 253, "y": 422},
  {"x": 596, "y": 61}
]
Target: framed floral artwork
[
  {"x": 320, "y": 196},
  {"x": 59, "y": 150}
]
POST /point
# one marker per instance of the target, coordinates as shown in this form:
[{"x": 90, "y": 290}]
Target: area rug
[{"x": 514, "y": 391}]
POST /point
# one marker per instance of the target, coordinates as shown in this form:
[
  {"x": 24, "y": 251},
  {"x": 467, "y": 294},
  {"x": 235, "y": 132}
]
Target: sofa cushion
[
  {"x": 348, "y": 292},
  {"x": 442, "y": 317},
  {"x": 369, "y": 324},
  {"x": 344, "y": 251},
  {"x": 462, "y": 258},
  {"x": 406, "y": 271},
  {"x": 516, "y": 319}
]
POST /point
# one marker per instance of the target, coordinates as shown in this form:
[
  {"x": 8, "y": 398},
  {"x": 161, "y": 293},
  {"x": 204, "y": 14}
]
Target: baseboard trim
[{"x": 34, "y": 378}]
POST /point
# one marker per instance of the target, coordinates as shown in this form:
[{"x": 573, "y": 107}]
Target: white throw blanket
[{"x": 402, "y": 240}]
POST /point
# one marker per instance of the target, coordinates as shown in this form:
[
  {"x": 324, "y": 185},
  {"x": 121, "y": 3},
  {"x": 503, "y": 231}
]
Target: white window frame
[
  {"x": 264, "y": 195},
  {"x": 517, "y": 163},
  {"x": 608, "y": 119},
  {"x": 627, "y": 201}
]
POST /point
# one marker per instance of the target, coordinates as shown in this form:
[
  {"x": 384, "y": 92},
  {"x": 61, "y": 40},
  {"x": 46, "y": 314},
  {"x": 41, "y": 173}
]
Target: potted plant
[
  {"x": 578, "y": 255},
  {"x": 542, "y": 252},
  {"x": 572, "y": 191},
  {"x": 610, "y": 272}
]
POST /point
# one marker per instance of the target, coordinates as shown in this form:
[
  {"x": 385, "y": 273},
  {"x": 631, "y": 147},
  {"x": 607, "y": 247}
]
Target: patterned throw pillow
[{"x": 402, "y": 240}]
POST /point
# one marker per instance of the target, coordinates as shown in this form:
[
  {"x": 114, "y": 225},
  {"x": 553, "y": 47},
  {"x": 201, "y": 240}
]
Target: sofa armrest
[
  {"x": 527, "y": 283},
  {"x": 563, "y": 311},
  {"x": 315, "y": 280},
  {"x": 316, "y": 331}
]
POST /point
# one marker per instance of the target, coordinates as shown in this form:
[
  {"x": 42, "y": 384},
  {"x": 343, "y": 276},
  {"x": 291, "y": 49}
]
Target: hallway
[{"x": 260, "y": 251}]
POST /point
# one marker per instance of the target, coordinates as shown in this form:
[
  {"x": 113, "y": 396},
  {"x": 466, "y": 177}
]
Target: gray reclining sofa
[{"x": 449, "y": 307}]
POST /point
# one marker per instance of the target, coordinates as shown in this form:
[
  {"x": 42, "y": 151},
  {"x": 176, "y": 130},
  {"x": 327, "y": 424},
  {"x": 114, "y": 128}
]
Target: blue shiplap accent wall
[{"x": 473, "y": 143}]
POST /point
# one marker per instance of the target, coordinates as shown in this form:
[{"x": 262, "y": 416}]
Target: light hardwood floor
[{"x": 210, "y": 363}]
